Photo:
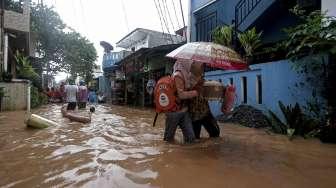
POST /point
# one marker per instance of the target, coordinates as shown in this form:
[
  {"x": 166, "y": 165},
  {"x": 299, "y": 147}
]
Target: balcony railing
[
  {"x": 14, "y": 5},
  {"x": 243, "y": 9}
]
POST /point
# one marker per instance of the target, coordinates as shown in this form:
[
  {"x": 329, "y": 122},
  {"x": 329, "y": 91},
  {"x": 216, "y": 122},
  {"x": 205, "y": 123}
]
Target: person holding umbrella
[
  {"x": 198, "y": 107},
  {"x": 213, "y": 55}
]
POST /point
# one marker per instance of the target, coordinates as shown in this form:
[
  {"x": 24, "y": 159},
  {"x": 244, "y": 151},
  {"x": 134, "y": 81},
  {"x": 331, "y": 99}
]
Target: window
[
  {"x": 244, "y": 89},
  {"x": 204, "y": 27},
  {"x": 231, "y": 81},
  {"x": 259, "y": 89}
]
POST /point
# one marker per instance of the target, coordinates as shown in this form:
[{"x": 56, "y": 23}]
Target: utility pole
[
  {"x": 2, "y": 30},
  {"x": 48, "y": 63}
]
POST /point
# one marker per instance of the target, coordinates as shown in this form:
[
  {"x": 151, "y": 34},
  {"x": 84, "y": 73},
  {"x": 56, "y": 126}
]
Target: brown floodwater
[{"x": 120, "y": 148}]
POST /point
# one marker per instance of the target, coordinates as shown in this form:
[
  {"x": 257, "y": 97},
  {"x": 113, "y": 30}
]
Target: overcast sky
[{"x": 110, "y": 20}]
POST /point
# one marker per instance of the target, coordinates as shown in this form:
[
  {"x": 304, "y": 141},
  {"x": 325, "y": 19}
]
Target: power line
[
  {"x": 75, "y": 13},
  {"x": 165, "y": 21},
  {"x": 83, "y": 16},
  {"x": 171, "y": 21},
  {"x": 168, "y": 12},
  {"x": 125, "y": 14},
  {"x": 182, "y": 13},
  {"x": 177, "y": 20},
  {"x": 164, "y": 14},
  {"x": 159, "y": 16}
]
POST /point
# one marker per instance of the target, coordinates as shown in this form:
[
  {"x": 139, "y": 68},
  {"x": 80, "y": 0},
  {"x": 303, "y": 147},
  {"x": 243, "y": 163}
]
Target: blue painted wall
[
  {"x": 109, "y": 59},
  {"x": 279, "y": 82},
  {"x": 262, "y": 17}
]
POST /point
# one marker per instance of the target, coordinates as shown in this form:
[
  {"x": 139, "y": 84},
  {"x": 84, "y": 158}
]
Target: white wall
[{"x": 330, "y": 6}]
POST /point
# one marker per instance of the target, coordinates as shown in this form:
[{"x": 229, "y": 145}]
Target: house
[
  {"x": 145, "y": 38},
  {"x": 142, "y": 58},
  {"x": 15, "y": 33},
  {"x": 267, "y": 82},
  {"x": 14, "y": 36}
]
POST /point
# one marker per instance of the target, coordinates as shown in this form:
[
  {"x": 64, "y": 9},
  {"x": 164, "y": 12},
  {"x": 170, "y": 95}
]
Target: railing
[
  {"x": 14, "y": 5},
  {"x": 243, "y": 9}
]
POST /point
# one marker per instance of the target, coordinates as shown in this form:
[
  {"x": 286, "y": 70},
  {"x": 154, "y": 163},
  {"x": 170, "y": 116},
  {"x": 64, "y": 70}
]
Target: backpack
[{"x": 165, "y": 95}]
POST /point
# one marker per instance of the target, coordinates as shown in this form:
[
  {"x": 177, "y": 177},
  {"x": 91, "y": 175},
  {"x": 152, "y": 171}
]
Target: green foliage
[
  {"x": 2, "y": 92},
  {"x": 24, "y": 68},
  {"x": 37, "y": 98},
  {"x": 48, "y": 27},
  {"x": 80, "y": 56},
  {"x": 7, "y": 76},
  {"x": 14, "y": 5},
  {"x": 60, "y": 50},
  {"x": 223, "y": 35},
  {"x": 250, "y": 40},
  {"x": 296, "y": 122},
  {"x": 315, "y": 35}
]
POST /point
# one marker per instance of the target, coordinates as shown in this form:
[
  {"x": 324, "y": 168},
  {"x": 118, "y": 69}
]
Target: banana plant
[
  {"x": 250, "y": 40},
  {"x": 24, "y": 68}
]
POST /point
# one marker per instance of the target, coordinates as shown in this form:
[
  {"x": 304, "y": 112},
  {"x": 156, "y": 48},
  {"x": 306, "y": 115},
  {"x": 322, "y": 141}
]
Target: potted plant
[
  {"x": 24, "y": 68},
  {"x": 223, "y": 35},
  {"x": 7, "y": 77},
  {"x": 250, "y": 41}
]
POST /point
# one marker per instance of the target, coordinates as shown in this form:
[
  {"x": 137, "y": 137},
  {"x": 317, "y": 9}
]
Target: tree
[
  {"x": 80, "y": 56},
  {"x": 316, "y": 35},
  {"x": 59, "y": 50},
  {"x": 48, "y": 27}
]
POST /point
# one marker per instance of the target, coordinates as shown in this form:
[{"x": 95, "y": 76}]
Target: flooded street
[{"x": 120, "y": 148}]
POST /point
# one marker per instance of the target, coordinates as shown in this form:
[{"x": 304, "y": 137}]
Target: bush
[
  {"x": 296, "y": 122},
  {"x": 37, "y": 98}
]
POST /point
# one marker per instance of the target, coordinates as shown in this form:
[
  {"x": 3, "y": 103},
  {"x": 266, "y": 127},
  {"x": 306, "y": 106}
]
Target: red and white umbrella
[{"x": 214, "y": 55}]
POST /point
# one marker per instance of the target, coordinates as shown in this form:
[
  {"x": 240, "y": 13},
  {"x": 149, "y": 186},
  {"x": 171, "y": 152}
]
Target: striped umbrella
[{"x": 214, "y": 55}]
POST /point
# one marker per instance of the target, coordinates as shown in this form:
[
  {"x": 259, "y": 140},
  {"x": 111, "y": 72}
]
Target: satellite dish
[{"x": 107, "y": 46}]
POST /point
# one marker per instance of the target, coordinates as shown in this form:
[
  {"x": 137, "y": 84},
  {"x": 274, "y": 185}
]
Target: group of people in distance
[
  {"x": 193, "y": 110},
  {"x": 74, "y": 95}
]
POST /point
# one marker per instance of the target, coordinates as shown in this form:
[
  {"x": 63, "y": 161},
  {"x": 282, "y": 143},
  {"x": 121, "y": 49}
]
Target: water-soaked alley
[{"x": 120, "y": 148}]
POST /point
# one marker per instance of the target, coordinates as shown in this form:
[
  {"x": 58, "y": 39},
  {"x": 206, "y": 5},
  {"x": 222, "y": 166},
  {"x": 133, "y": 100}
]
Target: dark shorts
[
  {"x": 71, "y": 106},
  {"x": 81, "y": 105}
]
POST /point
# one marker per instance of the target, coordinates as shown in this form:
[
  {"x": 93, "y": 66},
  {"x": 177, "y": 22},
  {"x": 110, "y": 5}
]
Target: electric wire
[
  {"x": 125, "y": 14},
  {"x": 177, "y": 20},
  {"x": 165, "y": 21}
]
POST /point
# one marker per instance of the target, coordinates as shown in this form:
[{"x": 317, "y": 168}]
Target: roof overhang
[{"x": 136, "y": 35}]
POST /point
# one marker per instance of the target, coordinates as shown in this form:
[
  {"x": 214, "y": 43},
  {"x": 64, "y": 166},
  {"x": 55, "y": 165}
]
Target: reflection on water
[{"x": 120, "y": 148}]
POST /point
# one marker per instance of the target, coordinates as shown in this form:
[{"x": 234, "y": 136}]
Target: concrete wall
[
  {"x": 279, "y": 82},
  {"x": 17, "y": 21},
  {"x": 329, "y": 6},
  {"x": 16, "y": 93}
]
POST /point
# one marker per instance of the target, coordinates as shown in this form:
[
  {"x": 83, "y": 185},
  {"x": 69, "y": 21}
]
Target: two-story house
[
  {"x": 15, "y": 32},
  {"x": 265, "y": 83},
  {"x": 14, "y": 36},
  {"x": 142, "y": 59}
]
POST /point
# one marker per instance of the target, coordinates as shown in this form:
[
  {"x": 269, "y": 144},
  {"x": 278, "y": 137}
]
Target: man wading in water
[
  {"x": 199, "y": 108},
  {"x": 180, "y": 116},
  {"x": 71, "y": 95}
]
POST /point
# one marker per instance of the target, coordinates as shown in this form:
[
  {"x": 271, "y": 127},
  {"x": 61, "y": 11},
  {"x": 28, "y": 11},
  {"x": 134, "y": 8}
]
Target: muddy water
[{"x": 120, "y": 148}]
